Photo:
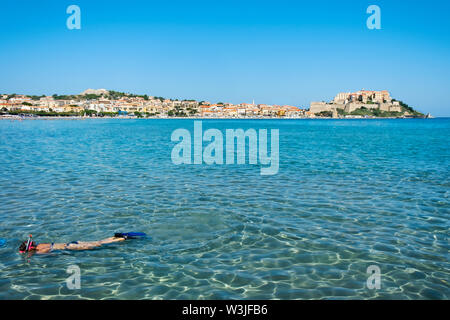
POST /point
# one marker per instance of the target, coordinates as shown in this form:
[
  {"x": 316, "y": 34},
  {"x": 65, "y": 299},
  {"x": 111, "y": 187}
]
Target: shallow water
[{"x": 348, "y": 194}]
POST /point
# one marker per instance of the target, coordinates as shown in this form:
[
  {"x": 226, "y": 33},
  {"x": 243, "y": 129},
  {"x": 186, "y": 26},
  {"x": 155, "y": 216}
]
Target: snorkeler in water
[{"x": 33, "y": 247}]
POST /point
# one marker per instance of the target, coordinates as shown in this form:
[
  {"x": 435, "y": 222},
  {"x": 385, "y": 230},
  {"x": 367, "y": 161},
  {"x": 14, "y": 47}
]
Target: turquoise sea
[{"x": 349, "y": 194}]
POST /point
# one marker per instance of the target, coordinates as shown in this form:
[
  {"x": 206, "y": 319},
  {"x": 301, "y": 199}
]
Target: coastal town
[{"x": 104, "y": 103}]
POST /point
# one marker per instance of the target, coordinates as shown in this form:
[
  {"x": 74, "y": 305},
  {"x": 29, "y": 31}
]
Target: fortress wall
[
  {"x": 385, "y": 106},
  {"x": 338, "y": 106},
  {"x": 395, "y": 108},
  {"x": 350, "y": 107},
  {"x": 317, "y": 107}
]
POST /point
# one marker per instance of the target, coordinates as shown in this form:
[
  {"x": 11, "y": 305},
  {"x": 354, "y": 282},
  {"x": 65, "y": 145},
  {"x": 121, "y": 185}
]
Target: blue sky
[{"x": 275, "y": 52}]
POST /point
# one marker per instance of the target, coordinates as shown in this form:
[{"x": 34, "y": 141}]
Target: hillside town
[{"x": 104, "y": 103}]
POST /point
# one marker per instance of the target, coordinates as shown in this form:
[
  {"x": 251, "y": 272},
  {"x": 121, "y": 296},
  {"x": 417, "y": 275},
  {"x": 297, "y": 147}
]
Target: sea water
[{"x": 348, "y": 195}]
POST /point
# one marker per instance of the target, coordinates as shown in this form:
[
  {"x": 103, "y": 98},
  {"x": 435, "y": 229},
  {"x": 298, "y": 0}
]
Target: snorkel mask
[{"x": 30, "y": 245}]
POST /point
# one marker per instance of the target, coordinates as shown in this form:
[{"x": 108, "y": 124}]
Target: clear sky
[{"x": 275, "y": 52}]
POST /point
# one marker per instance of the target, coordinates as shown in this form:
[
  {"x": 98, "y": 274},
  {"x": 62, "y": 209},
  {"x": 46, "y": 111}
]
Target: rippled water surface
[{"x": 348, "y": 194}]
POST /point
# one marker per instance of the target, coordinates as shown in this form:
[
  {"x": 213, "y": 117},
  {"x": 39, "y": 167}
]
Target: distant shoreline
[
  {"x": 200, "y": 118},
  {"x": 105, "y": 118},
  {"x": 18, "y": 118}
]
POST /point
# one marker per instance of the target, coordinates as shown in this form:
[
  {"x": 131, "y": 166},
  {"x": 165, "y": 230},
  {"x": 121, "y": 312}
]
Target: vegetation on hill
[
  {"x": 374, "y": 113},
  {"x": 36, "y": 98},
  {"x": 64, "y": 97},
  {"x": 411, "y": 110}
]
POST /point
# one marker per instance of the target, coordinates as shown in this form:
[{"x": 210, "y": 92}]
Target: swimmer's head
[
  {"x": 27, "y": 246},
  {"x": 23, "y": 246}
]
